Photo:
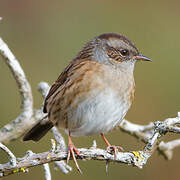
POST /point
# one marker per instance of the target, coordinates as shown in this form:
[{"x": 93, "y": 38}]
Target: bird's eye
[{"x": 124, "y": 52}]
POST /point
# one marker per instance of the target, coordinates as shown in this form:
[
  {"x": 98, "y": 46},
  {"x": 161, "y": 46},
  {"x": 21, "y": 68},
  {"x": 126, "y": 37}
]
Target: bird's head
[{"x": 111, "y": 48}]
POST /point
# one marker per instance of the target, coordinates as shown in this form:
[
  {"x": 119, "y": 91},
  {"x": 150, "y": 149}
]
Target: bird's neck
[{"x": 120, "y": 77}]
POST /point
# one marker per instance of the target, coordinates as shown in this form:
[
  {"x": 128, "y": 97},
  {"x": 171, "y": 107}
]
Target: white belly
[{"x": 97, "y": 115}]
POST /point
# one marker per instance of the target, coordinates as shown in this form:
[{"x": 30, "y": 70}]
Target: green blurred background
[{"x": 45, "y": 35}]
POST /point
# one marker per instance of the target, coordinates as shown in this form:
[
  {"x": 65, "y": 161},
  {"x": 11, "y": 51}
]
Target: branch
[
  {"x": 167, "y": 148},
  {"x": 27, "y": 118},
  {"x": 60, "y": 146},
  {"x": 10, "y": 154},
  {"x": 24, "y": 121},
  {"x": 143, "y": 133},
  {"x": 135, "y": 158},
  {"x": 47, "y": 171}
]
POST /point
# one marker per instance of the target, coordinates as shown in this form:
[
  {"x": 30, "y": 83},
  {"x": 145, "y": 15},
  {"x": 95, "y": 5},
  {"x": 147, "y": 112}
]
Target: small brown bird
[{"x": 94, "y": 92}]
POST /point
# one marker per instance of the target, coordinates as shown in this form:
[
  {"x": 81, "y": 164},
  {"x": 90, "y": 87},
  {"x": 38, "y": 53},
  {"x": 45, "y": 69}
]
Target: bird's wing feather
[
  {"x": 60, "y": 80},
  {"x": 71, "y": 73}
]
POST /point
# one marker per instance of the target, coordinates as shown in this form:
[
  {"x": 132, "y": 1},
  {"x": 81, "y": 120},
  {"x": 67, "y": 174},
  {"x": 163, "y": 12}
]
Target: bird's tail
[{"x": 39, "y": 130}]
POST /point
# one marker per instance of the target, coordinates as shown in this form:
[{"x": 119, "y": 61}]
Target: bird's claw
[
  {"x": 71, "y": 151},
  {"x": 114, "y": 150}
]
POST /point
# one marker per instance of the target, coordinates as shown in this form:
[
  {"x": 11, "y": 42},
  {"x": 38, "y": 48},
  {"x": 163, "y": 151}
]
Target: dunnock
[{"x": 94, "y": 92}]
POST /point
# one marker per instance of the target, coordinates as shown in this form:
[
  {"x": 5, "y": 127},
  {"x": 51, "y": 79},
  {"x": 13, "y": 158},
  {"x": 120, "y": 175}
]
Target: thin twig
[
  {"x": 10, "y": 154},
  {"x": 168, "y": 147},
  {"x": 94, "y": 145},
  {"x": 60, "y": 146},
  {"x": 65, "y": 168},
  {"x": 47, "y": 171},
  {"x": 59, "y": 139},
  {"x": 43, "y": 88}
]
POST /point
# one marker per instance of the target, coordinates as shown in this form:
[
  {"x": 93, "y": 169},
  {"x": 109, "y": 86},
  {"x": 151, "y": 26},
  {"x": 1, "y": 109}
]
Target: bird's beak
[{"x": 142, "y": 58}]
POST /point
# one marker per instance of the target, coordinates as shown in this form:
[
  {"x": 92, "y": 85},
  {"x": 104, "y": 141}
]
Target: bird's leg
[
  {"x": 110, "y": 147},
  {"x": 71, "y": 150}
]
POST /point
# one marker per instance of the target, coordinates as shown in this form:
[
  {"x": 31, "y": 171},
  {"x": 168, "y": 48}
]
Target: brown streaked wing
[{"x": 61, "y": 79}]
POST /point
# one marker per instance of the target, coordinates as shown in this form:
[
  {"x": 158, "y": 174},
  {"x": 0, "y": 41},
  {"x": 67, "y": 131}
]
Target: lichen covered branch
[
  {"x": 144, "y": 133},
  {"x": 135, "y": 158}
]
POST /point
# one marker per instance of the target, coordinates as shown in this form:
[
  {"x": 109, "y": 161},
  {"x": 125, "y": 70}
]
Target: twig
[
  {"x": 24, "y": 121},
  {"x": 65, "y": 168},
  {"x": 10, "y": 154},
  {"x": 145, "y": 132},
  {"x": 47, "y": 171},
  {"x": 94, "y": 145},
  {"x": 43, "y": 88},
  {"x": 61, "y": 146},
  {"x": 59, "y": 139},
  {"x": 167, "y": 148},
  {"x": 53, "y": 143}
]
